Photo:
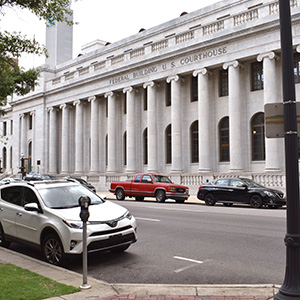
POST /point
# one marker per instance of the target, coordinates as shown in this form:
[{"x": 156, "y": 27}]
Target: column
[
  {"x": 111, "y": 129},
  {"x": 235, "y": 116},
  {"x": 204, "y": 116},
  {"x": 176, "y": 129},
  {"x": 23, "y": 134},
  {"x": 33, "y": 156},
  {"x": 78, "y": 137},
  {"x": 65, "y": 151},
  {"x": 152, "y": 126},
  {"x": 272, "y": 160},
  {"x": 52, "y": 140},
  {"x": 130, "y": 125},
  {"x": 94, "y": 169}
]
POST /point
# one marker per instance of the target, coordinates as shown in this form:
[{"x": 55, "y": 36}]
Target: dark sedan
[{"x": 242, "y": 191}]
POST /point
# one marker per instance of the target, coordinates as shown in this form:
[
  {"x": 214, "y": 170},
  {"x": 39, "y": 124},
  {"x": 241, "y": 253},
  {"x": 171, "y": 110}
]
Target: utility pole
[{"x": 291, "y": 285}]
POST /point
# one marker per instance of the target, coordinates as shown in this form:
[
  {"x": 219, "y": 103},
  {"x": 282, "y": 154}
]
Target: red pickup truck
[{"x": 150, "y": 185}]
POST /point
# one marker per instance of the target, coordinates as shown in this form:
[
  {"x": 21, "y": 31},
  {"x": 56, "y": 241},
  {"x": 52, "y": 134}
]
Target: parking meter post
[{"x": 84, "y": 203}]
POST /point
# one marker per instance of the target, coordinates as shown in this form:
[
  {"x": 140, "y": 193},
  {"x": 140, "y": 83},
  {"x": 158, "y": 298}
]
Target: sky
[{"x": 107, "y": 20}]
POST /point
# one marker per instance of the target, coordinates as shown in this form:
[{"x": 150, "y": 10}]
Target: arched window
[
  {"x": 125, "y": 148},
  {"x": 168, "y": 136},
  {"x": 224, "y": 139},
  {"x": 194, "y": 142},
  {"x": 145, "y": 146},
  {"x": 258, "y": 137}
]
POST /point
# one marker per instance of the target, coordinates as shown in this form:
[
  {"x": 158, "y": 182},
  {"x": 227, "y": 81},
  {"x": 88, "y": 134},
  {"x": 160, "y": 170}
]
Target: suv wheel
[
  {"x": 160, "y": 196},
  {"x": 120, "y": 195},
  {"x": 52, "y": 249},
  {"x": 3, "y": 242}
]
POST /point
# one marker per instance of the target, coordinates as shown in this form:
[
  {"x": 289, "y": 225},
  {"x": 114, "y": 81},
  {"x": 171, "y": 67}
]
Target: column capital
[
  {"x": 51, "y": 109},
  {"x": 149, "y": 83},
  {"x": 233, "y": 63},
  {"x": 262, "y": 56},
  {"x": 298, "y": 48},
  {"x": 32, "y": 113},
  {"x": 108, "y": 94},
  {"x": 92, "y": 98},
  {"x": 21, "y": 116},
  {"x": 63, "y": 106},
  {"x": 170, "y": 78},
  {"x": 76, "y": 102},
  {"x": 203, "y": 71},
  {"x": 128, "y": 89}
]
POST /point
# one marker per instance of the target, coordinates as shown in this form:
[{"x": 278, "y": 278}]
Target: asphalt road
[{"x": 196, "y": 244}]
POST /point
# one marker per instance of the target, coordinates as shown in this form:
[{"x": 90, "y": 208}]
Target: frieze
[{"x": 186, "y": 60}]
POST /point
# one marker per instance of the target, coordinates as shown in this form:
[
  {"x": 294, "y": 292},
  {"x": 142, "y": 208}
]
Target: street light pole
[{"x": 291, "y": 285}]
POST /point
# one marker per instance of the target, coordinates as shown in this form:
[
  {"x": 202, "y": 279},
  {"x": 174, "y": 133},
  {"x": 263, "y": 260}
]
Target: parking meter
[{"x": 84, "y": 202}]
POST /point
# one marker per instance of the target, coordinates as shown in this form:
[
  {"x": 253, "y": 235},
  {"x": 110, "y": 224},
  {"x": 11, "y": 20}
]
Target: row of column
[
  {"x": 204, "y": 121},
  {"x": 272, "y": 161}
]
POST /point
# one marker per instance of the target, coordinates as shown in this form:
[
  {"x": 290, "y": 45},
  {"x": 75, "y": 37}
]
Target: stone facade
[{"x": 130, "y": 106}]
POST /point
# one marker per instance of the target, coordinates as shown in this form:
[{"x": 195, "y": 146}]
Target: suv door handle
[
  {"x": 19, "y": 214},
  {"x": 1, "y": 208}
]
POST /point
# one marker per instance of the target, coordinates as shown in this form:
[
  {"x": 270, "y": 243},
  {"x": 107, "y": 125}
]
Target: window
[
  {"x": 222, "y": 181},
  {"x": 223, "y": 83},
  {"x": 106, "y": 150},
  {"x": 168, "y": 145},
  {"x": 168, "y": 93},
  {"x": 145, "y": 146},
  {"x": 297, "y": 67},
  {"x": 224, "y": 139},
  {"x": 146, "y": 179},
  {"x": 258, "y": 137},
  {"x": 12, "y": 194},
  {"x": 30, "y": 121},
  {"x": 125, "y": 148},
  {"x": 4, "y": 129},
  {"x": 125, "y": 105},
  {"x": 145, "y": 99},
  {"x": 138, "y": 178},
  {"x": 11, "y": 127},
  {"x": 194, "y": 142},
  {"x": 194, "y": 89},
  {"x": 236, "y": 183},
  {"x": 257, "y": 76}
]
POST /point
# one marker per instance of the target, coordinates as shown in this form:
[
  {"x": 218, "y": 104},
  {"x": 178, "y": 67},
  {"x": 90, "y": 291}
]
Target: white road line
[
  {"x": 146, "y": 219},
  {"x": 188, "y": 259},
  {"x": 189, "y": 266}
]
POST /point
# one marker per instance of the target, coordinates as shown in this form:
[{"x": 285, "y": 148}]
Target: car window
[
  {"x": 29, "y": 197},
  {"x": 223, "y": 182},
  {"x": 236, "y": 183},
  {"x": 138, "y": 178},
  {"x": 146, "y": 179},
  {"x": 12, "y": 194}
]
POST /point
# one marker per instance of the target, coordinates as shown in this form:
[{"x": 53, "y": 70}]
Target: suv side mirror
[{"x": 31, "y": 207}]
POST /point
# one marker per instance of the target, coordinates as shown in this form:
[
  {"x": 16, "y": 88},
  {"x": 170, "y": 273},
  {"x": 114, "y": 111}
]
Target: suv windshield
[{"x": 66, "y": 196}]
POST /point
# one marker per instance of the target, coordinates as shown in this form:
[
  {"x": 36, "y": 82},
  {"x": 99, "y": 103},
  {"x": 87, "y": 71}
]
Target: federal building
[{"x": 185, "y": 98}]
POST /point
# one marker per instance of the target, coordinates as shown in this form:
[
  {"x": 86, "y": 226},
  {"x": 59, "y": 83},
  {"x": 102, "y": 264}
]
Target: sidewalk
[{"x": 102, "y": 290}]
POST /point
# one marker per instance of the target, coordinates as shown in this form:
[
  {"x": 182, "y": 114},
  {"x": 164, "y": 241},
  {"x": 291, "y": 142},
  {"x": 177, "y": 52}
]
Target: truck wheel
[
  {"x": 160, "y": 196},
  {"x": 120, "y": 195}
]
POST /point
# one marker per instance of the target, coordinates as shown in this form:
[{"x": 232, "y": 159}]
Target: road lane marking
[
  {"x": 146, "y": 219},
  {"x": 188, "y": 259},
  {"x": 189, "y": 266}
]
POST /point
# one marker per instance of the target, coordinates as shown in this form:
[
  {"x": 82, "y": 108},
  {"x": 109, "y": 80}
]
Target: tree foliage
[{"x": 13, "y": 78}]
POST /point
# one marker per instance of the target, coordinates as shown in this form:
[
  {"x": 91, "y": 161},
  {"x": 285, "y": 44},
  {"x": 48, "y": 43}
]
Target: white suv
[{"x": 47, "y": 213}]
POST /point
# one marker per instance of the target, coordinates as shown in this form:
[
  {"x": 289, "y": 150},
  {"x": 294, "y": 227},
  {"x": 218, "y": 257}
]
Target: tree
[{"x": 13, "y": 78}]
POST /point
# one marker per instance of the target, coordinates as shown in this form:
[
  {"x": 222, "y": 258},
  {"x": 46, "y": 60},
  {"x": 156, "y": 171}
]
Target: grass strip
[{"x": 21, "y": 284}]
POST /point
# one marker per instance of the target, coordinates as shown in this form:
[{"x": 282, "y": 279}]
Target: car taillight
[{"x": 201, "y": 186}]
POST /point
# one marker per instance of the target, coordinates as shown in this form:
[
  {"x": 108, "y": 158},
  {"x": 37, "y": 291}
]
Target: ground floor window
[
  {"x": 194, "y": 142},
  {"x": 224, "y": 139},
  {"x": 258, "y": 137}
]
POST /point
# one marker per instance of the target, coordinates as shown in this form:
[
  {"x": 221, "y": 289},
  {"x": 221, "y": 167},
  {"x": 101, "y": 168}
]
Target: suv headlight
[
  {"x": 269, "y": 194},
  {"x": 73, "y": 224},
  {"x": 128, "y": 215}
]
